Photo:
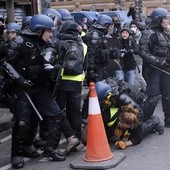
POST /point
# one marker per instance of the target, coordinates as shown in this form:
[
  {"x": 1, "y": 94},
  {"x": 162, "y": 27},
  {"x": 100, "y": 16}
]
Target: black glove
[
  {"x": 165, "y": 64},
  {"x": 91, "y": 74},
  {"x": 23, "y": 83},
  {"x": 117, "y": 52}
]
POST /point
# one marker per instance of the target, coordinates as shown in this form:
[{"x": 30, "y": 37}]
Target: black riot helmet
[{"x": 104, "y": 20}]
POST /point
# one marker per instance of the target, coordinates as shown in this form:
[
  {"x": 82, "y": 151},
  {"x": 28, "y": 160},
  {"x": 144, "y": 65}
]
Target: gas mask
[{"x": 134, "y": 30}]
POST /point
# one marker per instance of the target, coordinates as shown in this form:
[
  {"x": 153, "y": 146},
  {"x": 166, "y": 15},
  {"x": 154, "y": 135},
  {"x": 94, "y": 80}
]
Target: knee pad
[{"x": 21, "y": 126}]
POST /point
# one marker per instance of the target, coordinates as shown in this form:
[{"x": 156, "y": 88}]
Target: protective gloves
[
  {"x": 50, "y": 68},
  {"x": 91, "y": 74},
  {"x": 115, "y": 53},
  {"x": 121, "y": 144},
  {"x": 165, "y": 65},
  {"x": 23, "y": 83}
]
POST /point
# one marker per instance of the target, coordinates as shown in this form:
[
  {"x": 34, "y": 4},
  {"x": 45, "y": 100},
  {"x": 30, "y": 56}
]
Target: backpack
[{"x": 73, "y": 57}]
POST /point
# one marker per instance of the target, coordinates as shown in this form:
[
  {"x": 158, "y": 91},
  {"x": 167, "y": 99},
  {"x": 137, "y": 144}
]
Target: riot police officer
[
  {"x": 12, "y": 31},
  {"x": 98, "y": 53},
  {"x": 25, "y": 65},
  {"x": 155, "y": 51},
  {"x": 57, "y": 18}
]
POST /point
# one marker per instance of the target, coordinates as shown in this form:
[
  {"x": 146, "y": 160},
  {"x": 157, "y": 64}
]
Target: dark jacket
[
  {"x": 134, "y": 135},
  {"x": 69, "y": 31},
  {"x": 98, "y": 51},
  {"x": 154, "y": 46},
  {"x": 128, "y": 48}
]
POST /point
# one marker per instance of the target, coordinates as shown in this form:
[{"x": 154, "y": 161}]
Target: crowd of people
[{"x": 46, "y": 62}]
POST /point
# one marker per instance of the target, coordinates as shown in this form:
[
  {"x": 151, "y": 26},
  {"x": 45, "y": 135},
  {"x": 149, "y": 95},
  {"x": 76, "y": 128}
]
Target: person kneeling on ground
[{"x": 122, "y": 114}]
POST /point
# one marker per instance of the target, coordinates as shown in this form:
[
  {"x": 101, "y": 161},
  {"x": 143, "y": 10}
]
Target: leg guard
[
  {"x": 53, "y": 138},
  {"x": 18, "y": 138},
  {"x": 29, "y": 149}
]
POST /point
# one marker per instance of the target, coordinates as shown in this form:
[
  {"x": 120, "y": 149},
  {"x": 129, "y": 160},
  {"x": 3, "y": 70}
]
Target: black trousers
[
  {"x": 71, "y": 102},
  {"x": 27, "y": 118}
]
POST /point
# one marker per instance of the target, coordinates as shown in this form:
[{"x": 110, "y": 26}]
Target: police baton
[
  {"x": 32, "y": 104},
  {"x": 166, "y": 72}
]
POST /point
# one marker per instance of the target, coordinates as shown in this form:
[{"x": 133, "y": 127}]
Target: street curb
[{"x": 6, "y": 125}]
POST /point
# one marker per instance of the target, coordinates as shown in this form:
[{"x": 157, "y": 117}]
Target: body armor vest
[{"x": 162, "y": 47}]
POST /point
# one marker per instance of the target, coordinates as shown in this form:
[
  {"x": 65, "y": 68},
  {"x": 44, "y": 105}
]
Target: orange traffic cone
[{"x": 97, "y": 148}]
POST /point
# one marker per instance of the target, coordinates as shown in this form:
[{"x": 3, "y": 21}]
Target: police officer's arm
[
  {"x": 7, "y": 64},
  {"x": 147, "y": 41},
  {"x": 12, "y": 51}
]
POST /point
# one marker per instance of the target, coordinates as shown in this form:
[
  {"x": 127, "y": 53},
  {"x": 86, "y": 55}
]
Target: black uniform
[
  {"x": 99, "y": 54},
  {"x": 25, "y": 66},
  {"x": 154, "y": 49}
]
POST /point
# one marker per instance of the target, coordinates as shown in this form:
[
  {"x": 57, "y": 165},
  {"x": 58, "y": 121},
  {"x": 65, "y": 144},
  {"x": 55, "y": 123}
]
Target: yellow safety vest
[
  {"x": 79, "y": 77},
  {"x": 113, "y": 111},
  {"x": 83, "y": 34}
]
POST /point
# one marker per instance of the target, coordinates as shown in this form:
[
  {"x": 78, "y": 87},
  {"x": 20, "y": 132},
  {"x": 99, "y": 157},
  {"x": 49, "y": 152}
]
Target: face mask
[{"x": 134, "y": 30}]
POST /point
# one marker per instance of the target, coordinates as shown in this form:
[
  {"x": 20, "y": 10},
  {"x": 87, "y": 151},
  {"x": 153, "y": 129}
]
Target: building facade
[{"x": 108, "y": 5}]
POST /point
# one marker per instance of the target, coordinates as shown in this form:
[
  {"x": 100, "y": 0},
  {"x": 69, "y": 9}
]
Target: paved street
[{"x": 152, "y": 154}]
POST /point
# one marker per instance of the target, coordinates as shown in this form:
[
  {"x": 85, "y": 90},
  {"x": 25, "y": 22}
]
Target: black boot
[
  {"x": 53, "y": 138},
  {"x": 39, "y": 143},
  {"x": 29, "y": 149},
  {"x": 17, "y": 162},
  {"x": 30, "y": 152},
  {"x": 159, "y": 126},
  {"x": 151, "y": 124},
  {"x": 18, "y": 138},
  {"x": 50, "y": 153}
]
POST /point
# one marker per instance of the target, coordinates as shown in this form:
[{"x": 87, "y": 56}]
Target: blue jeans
[{"x": 127, "y": 76}]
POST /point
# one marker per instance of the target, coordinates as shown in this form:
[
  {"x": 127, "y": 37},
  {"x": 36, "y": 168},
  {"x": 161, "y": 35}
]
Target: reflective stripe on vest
[
  {"x": 83, "y": 34},
  {"x": 113, "y": 111},
  {"x": 79, "y": 77},
  {"x": 126, "y": 135}
]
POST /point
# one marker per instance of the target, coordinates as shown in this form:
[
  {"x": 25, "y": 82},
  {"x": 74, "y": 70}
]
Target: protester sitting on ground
[{"x": 121, "y": 105}]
